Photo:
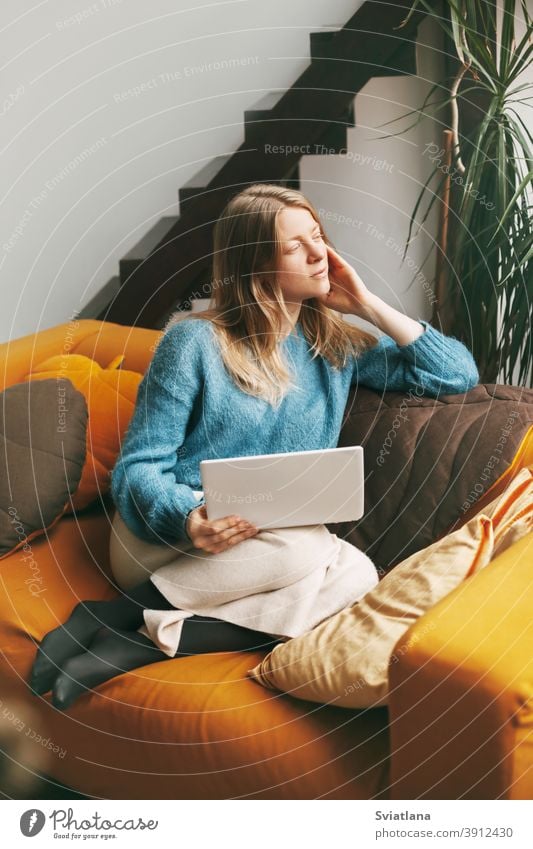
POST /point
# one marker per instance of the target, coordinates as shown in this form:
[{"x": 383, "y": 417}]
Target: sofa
[{"x": 458, "y": 724}]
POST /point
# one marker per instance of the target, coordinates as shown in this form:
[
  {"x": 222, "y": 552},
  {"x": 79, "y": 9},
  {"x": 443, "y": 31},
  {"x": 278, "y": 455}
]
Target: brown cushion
[
  {"x": 428, "y": 462},
  {"x": 42, "y": 452}
]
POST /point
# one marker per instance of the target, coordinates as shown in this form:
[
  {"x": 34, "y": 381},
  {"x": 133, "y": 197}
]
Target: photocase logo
[{"x": 32, "y": 822}]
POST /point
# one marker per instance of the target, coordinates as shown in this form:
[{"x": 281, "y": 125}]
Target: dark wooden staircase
[{"x": 171, "y": 264}]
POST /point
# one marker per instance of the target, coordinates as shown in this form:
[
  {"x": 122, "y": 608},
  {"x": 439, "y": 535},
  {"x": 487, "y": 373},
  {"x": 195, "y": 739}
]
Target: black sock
[
  {"x": 113, "y": 652},
  {"x": 74, "y": 636}
]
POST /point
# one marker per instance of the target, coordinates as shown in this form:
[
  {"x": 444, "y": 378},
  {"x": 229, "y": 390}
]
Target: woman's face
[{"x": 303, "y": 254}]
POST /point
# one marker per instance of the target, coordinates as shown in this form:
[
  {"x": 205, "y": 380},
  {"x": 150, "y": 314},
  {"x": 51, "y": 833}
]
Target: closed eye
[{"x": 316, "y": 238}]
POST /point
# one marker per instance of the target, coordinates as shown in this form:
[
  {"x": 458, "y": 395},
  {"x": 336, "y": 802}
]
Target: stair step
[
  {"x": 321, "y": 43},
  {"x": 292, "y": 181},
  {"x": 268, "y": 126},
  {"x": 96, "y": 307},
  {"x": 144, "y": 247},
  {"x": 257, "y": 118},
  {"x": 152, "y": 238},
  {"x": 266, "y": 103},
  {"x": 198, "y": 290},
  {"x": 402, "y": 62},
  {"x": 199, "y": 182},
  {"x": 332, "y": 140},
  {"x": 335, "y": 139},
  {"x": 193, "y": 194}
]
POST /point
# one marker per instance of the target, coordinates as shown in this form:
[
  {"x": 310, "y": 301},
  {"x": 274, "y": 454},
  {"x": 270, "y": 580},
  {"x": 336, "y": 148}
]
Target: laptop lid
[{"x": 285, "y": 490}]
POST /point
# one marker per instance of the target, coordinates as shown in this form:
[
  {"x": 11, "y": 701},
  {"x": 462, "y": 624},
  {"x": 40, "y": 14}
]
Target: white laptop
[{"x": 283, "y": 490}]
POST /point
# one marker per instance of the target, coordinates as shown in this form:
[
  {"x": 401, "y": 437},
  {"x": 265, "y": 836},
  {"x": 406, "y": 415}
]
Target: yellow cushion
[
  {"x": 110, "y": 394},
  {"x": 523, "y": 459},
  {"x": 345, "y": 660}
]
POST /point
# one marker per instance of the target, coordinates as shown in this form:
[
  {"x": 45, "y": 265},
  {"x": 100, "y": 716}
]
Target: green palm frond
[{"x": 489, "y": 261}]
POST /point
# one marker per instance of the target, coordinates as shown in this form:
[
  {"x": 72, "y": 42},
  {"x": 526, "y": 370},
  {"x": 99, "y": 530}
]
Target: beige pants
[{"x": 133, "y": 560}]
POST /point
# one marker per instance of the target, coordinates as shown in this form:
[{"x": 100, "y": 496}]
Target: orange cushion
[
  {"x": 99, "y": 340},
  {"x": 110, "y": 394}
]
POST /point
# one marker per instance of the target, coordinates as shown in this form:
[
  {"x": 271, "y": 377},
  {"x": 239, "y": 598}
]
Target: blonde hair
[{"x": 247, "y": 304}]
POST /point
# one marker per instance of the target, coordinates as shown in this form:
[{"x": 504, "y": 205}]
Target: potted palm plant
[{"x": 483, "y": 180}]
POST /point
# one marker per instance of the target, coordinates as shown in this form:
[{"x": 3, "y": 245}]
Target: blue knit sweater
[{"x": 188, "y": 409}]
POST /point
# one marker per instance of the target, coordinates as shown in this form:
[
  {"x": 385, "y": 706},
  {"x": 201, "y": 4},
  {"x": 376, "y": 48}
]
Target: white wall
[
  {"x": 107, "y": 110},
  {"x": 366, "y": 196}
]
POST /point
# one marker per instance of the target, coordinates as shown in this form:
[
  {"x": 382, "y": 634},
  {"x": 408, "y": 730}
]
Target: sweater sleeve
[
  {"x": 435, "y": 363},
  {"x": 144, "y": 486}
]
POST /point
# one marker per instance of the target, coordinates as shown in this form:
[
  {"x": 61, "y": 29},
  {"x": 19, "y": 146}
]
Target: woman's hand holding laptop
[{"x": 217, "y": 535}]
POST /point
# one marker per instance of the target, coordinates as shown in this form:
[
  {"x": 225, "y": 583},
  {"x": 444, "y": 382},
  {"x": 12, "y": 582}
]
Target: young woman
[{"x": 266, "y": 370}]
